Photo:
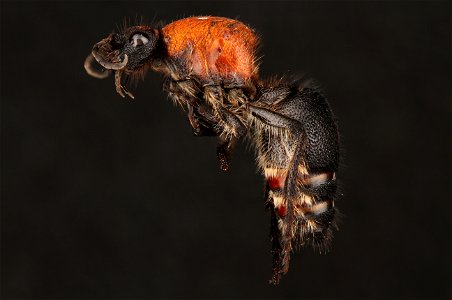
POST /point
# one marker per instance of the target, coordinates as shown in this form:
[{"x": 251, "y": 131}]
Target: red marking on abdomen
[
  {"x": 281, "y": 210},
  {"x": 276, "y": 182}
]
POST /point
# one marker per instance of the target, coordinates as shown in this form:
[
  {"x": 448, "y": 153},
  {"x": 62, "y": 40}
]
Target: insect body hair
[
  {"x": 297, "y": 146},
  {"x": 210, "y": 70}
]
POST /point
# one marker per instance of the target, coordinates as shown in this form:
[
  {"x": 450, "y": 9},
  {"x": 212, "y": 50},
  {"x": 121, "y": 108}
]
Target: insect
[{"x": 211, "y": 71}]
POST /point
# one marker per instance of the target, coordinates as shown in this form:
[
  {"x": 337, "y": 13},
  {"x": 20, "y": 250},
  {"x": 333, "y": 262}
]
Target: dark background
[{"x": 110, "y": 198}]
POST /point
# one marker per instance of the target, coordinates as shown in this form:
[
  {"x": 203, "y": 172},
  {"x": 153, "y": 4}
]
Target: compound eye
[{"x": 139, "y": 40}]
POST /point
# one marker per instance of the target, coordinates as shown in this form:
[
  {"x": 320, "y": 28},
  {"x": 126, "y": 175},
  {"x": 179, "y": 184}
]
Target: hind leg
[
  {"x": 281, "y": 181},
  {"x": 301, "y": 197}
]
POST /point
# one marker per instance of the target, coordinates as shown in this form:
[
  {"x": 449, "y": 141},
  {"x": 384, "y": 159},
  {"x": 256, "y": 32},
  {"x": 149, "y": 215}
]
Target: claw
[{"x": 224, "y": 161}]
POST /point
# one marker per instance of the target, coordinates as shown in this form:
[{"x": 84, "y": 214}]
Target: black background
[{"x": 104, "y": 197}]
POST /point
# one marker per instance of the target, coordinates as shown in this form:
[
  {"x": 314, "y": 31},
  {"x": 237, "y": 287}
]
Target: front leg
[
  {"x": 186, "y": 94},
  {"x": 120, "y": 88}
]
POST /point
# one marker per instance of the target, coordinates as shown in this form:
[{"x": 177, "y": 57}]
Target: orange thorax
[{"x": 213, "y": 47}]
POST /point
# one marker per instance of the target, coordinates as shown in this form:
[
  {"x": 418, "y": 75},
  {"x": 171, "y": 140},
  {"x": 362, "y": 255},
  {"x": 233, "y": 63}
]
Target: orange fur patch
[{"x": 219, "y": 46}]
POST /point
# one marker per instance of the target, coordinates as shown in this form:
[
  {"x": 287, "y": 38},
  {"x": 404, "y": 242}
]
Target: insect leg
[
  {"x": 231, "y": 126},
  {"x": 185, "y": 94},
  {"x": 202, "y": 121},
  {"x": 284, "y": 193},
  {"x": 120, "y": 88},
  {"x": 275, "y": 119},
  {"x": 300, "y": 167},
  {"x": 233, "y": 129},
  {"x": 282, "y": 140},
  {"x": 275, "y": 236}
]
